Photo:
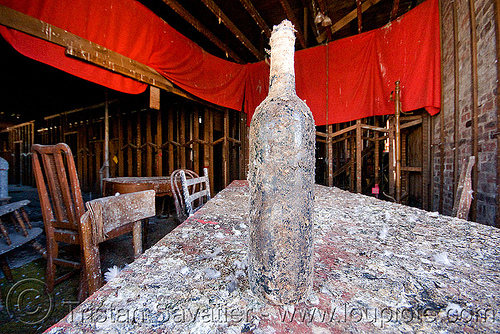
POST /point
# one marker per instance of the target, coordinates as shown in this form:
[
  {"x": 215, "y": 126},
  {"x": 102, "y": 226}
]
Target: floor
[{"x": 40, "y": 311}]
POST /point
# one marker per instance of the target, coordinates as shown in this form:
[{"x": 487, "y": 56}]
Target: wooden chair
[
  {"x": 62, "y": 207},
  {"x": 105, "y": 215},
  {"x": 194, "y": 192},
  {"x": 61, "y": 202},
  {"x": 176, "y": 188}
]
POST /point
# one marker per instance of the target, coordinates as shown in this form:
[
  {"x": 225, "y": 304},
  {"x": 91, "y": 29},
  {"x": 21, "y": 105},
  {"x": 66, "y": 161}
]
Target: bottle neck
[{"x": 282, "y": 74}]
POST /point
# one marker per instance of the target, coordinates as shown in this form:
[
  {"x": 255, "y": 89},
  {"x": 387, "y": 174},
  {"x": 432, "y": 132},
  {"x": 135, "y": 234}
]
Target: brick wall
[{"x": 457, "y": 146}]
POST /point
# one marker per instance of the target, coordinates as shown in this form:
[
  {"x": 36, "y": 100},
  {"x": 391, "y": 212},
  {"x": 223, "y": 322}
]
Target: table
[
  {"x": 379, "y": 267},
  {"x": 160, "y": 184}
]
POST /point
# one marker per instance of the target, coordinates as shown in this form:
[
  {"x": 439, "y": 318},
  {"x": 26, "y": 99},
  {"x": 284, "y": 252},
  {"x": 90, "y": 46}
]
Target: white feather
[{"x": 111, "y": 273}]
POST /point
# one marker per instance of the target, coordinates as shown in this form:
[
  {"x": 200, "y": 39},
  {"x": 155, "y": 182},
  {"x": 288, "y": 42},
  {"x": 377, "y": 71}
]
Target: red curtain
[
  {"x": 342, "y": 81},
  {"x": 359, "y": 73}
]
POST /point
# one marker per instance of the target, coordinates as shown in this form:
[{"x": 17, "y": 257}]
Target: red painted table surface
[{"x": 379, "y": 267}]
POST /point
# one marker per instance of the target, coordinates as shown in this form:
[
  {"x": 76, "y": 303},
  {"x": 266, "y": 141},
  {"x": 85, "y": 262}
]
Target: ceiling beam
[
  {"x": 395, "y": 7},
  {"x": 202, "y": 29},
  {"x": 311, "y": 16},
  {"x": 86, "y": 50},
  {"x": 348, "y": 18},
  {"x": 249, "y": 7},
  {"x": 360, "y": 16},
  {"x": 291, "y": 16},
  {"x": 230, "y": 25}
]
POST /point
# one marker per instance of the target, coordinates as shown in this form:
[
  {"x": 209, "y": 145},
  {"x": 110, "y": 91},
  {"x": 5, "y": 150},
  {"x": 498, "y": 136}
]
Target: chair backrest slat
[
  {"x": 197, "y": 192},
  {"x": 58, "y": 185}
]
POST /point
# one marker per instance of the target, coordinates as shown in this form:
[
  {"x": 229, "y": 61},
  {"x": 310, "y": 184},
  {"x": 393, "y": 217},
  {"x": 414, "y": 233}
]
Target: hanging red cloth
[{"x": 345, "y": 80}]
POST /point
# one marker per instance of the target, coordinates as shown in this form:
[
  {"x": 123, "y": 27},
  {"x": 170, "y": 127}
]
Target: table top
[
  {"x": 379, "y": 267},
  {"x": 160, "y": 184}
]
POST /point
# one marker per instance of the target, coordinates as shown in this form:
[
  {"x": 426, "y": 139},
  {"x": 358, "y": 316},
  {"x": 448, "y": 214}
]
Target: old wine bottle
[{"x": 281, "y": 178}]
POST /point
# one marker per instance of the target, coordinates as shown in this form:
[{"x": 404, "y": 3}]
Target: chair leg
[
  {"x": 145, "y": 232},
  {"x": 5, "y": 268},
  {"x": 50, "y": 274},
  {"x": 137, "y": 236}
]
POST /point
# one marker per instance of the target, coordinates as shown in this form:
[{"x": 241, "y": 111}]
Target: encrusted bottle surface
[{"x": 281, "y": 177}]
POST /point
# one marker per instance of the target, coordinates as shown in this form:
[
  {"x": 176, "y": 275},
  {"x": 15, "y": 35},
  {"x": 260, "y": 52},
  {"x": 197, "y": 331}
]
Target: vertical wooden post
[
  {"x": 441, "y": 120},
  {"x": 329, "y": 147},
  {"x": 159, "y": 143},
  {"x": 106, "y": 139},
  {"x": 359, "y": 12},
  {"x": 225, "y": 148},
  {"x": 130, "y": 159},
  {"x": 171, "y": 163},
  {"x": 242, "y": 162},
  {"x": 352, "y": 160},
  {"x": 456, "y": 114},
  {"x": 138, "y": 143},
  {"x": 376, "y": 153},
  {"x": 359, "y": 159},
  {"x": 392, "y": 158},
  {"x": 475, "y": 107},
  {"x": 210, "y": 139},
  {"x": 426, "y": 161},
  {"x": 121, "y": 162},
  {"x": 206, "y": 138},
  {"x": 149, "y": 148},
  {"x": 182, "y": 139},
  {"x": 397, "y": 141},
  {"x": 497, "y": 26},
  {"x": 196, "y": 145}
]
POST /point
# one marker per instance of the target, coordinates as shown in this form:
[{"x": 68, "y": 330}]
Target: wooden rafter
[
  {"x": 360, "y": 18},
  {"x": 291, "y": 16},
  {"x": 348, "y": 18},
  {"x": 249, "y": 7},
  {"x": 395, "y": 7},
  {"x": 86, "y": 50},
  {"x": 312, "y": 13},
  {"x": 230, "y": 25},
  {"x": 201, "y": 28}
]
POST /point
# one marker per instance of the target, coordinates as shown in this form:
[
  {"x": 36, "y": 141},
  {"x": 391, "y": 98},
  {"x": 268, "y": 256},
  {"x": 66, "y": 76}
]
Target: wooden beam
[
  {"x": 359, "y": 159},
  {"x": 249, "y": 7},
  {"x": 291, "y": 16},
  {"x": 359, "y": 13},
  {"x": 225, "y": 149},
  {"x": 456, "y": 114},
  {"x": 138, "y": 144},
  {"x": 410, "y": 124},
  {"x": 497, "y": 35},
  {"x": 329, "y": 148},
  {"x": 176, "y": 7},
  {"x": 348, "y": 18},
  {"x": 374, "y": 128},
  {"x": 170, "y": 134},
  {"x": 475, "y": 106},
  {"x": 397, "y": 141},
  {"x": 230, "y": 25},
  {"x": 395, "y": 7},
  {"x": 159, "y": 149},
  {"x": 84, "y": 49},
  {"x": 149, "y": 147}
]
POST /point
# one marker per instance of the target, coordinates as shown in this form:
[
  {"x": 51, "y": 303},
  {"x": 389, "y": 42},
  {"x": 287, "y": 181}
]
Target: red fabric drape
[
  {"x": 342, "y": 81},
  {"x": 361, "y": 71}
]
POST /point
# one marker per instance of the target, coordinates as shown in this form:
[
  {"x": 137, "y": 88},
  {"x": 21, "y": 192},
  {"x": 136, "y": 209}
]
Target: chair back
[
  {"x": 109, "y": 214},
  {"x": 195, "y": 191},
  {"x": 58, "y": 187},
  {"x": 176, "y": 188}
]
